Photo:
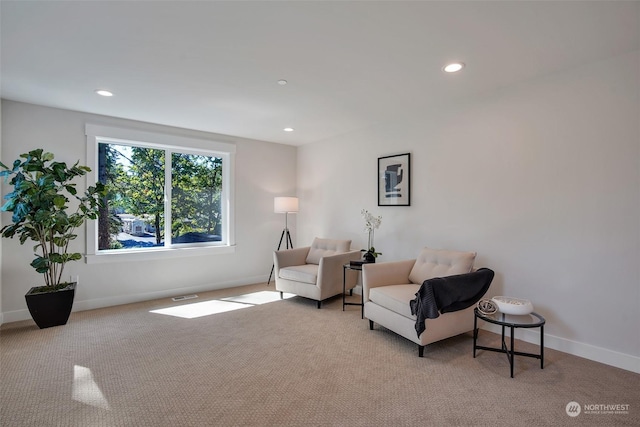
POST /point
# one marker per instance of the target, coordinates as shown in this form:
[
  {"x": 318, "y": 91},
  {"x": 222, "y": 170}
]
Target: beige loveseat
[
  {"x": 315, "y": 271},
  {"x": 388, "y": 287}
]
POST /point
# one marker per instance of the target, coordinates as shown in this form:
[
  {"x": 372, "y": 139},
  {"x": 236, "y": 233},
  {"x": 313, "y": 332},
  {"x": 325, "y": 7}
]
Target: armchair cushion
[
  {"x": 325, "y": 247},
  {"x": 307, "y": 273},
  {"x": 395, "y": 298},
  {"x": 440, "y": 263}
]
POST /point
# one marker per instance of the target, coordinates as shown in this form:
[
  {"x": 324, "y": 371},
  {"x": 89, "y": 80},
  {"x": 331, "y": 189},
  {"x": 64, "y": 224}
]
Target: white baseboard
[
  {"x": 18, "y": 315},
  {"x": 588, "y": 351},
  {"x": 1, "y": 319}
]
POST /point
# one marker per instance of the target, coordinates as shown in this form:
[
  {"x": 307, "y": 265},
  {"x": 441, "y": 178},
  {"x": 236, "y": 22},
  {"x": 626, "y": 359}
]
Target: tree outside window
[{"x": 150, "y": 188}]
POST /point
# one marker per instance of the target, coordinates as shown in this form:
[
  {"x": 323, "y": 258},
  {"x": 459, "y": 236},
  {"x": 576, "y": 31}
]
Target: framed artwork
[{"x": 394, "y": 180}]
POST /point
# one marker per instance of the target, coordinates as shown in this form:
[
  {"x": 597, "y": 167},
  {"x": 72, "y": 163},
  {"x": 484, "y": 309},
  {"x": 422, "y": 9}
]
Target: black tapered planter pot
[{"x": 51, "y": 308}]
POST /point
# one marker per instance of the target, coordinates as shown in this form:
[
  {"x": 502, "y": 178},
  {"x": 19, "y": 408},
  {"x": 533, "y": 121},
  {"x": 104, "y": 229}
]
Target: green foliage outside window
[{"x": 135, "y": 182}]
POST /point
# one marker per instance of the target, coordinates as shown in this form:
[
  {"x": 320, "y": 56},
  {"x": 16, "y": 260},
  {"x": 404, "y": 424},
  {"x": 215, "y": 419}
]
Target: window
[{"x": 164, "y": 193}]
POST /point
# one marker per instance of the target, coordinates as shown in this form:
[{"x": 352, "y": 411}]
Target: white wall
[
  {"x": 263, "y": 170},
  {"x": 542, "y": 180}
]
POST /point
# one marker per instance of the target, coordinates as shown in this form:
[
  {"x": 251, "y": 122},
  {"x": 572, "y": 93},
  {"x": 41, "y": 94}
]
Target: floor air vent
[{"x": 184, "y": 297}]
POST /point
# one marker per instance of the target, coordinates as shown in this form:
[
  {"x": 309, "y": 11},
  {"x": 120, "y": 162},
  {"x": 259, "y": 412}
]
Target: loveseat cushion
[
  {"x": 395, "y": 298},
  {"x": 307, "y": 273},
  {"x": 326, "y": 247},
  {"x": 440, "y": 263}
]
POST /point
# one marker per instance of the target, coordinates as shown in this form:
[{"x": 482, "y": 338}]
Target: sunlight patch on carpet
[
  {"x": 257, "y": 298},
  {"x": 207, "y": 308},
  {"x": 86, "y": 390},
  {"x": 200, "y": 309}
]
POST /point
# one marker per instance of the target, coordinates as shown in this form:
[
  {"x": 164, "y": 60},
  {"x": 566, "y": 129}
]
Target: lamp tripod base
[{"x": 286, "y": 236}]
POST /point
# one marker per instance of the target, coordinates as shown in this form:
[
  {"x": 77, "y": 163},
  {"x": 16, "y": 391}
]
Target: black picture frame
[{"x": 394, "y": 180}]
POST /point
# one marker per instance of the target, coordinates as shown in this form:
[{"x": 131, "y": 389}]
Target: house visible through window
[{"x": 160, "y": 195}]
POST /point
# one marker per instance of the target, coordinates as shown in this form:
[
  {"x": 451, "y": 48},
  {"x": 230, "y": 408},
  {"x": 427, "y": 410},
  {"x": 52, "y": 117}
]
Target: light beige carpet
[{"x": 283, "y": 363}]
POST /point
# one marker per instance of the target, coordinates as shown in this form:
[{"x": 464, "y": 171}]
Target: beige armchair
[
  {"x": 315, "y": 271},
  {"x": 388, "y": 287}
]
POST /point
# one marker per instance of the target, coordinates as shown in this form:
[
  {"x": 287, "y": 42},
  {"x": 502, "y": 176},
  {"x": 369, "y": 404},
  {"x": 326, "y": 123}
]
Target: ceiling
[{"x": 215, "y": 66}]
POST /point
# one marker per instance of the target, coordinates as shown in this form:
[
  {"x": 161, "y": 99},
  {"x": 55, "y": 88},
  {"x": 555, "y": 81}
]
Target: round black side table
[
  {"x": 356, "y": 267},
  {"x": 513, "y": 322}
]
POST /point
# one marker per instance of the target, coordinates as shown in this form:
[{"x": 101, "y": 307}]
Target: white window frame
[{"x": 121, "y": 136}]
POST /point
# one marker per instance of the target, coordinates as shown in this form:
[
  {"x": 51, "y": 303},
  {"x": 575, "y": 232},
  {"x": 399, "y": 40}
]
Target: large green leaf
[
  {"x": 8, "y": 206},
  {"x": 20, "y": 211},
  {"x": 59, "y": 201},
  {"x": 74, "y": 256},
  {"x": 40, "y": 264},
  {"x": 71, "y": 189}
]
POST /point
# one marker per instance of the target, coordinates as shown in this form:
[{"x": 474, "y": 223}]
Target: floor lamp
[{"x": 285, "y": 205}]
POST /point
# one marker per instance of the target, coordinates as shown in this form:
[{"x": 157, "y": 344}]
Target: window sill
[{"x": 157, "y": 254}]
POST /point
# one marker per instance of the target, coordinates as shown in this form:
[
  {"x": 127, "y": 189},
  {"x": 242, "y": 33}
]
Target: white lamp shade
[{"x": 285, "y": 204}]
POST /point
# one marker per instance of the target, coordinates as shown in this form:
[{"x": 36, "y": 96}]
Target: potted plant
[
  {"x": 371, "y": 223},
  {"x": 40, "y": 203}
]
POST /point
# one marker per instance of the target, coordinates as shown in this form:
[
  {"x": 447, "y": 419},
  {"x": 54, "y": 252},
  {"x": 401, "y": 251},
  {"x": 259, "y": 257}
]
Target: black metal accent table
[
  {"x": 346, "y": 267},
  {"x": 533, "y": 320}
]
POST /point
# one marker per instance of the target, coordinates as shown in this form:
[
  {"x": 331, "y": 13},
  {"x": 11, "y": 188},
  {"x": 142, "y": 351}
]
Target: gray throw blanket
[{"x": 446, "y": 294}]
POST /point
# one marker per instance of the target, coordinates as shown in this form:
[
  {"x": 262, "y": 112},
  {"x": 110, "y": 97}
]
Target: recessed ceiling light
[
  {"x": 453, "y": 67},
  {"x": 288, "y": 129},
  {"x": 282, "y": 82},
  {"x": 103, "y": 92}
]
